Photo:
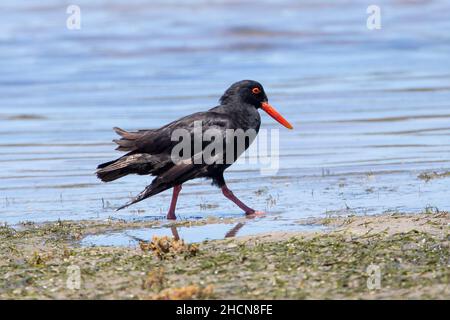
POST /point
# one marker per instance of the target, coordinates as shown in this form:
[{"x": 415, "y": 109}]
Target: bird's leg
[
  {"x": 229, "y": 194},
  {"x": 175, "y": 233},
  {"x": 173, "y": 203},
  {"x": 232, "y": 232}
]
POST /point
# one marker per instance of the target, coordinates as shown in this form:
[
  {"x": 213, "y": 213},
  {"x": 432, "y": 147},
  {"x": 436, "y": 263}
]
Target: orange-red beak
[{"x": 274, "y": 114}]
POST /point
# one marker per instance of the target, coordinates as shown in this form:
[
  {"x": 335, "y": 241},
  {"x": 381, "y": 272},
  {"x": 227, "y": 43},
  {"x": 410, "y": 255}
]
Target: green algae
[{"x": 35, "y": 259}]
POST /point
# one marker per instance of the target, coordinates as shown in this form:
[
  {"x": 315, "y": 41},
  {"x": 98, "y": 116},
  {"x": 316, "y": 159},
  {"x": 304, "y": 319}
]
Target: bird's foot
[{"x": 253, "y": 214}]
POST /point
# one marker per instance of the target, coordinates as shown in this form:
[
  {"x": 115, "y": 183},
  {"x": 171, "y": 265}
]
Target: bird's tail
[
  {"x": 139, "y": 163},
  {"x": 107, "y": 173},
  {"x": 149, "y": 191}
]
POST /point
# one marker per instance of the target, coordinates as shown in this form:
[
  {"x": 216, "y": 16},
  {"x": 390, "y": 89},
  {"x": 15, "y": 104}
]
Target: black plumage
[{"x": 149, "y": 151}]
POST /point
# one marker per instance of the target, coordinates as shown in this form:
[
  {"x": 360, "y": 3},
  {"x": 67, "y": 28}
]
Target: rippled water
[{"x": 371, "y": 109}]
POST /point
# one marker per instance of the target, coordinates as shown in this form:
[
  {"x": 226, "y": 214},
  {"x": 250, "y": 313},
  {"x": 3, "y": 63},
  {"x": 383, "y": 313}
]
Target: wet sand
[{"x": 411, "y": 252}]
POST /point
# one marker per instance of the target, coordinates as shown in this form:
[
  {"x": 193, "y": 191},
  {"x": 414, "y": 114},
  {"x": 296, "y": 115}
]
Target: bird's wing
[
  {"x": 198, "y": 161},
  {"x": 160, "y": 140}
]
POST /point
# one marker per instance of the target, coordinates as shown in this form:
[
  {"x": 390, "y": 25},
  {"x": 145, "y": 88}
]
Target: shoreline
[{"x": 410, "y": 252}]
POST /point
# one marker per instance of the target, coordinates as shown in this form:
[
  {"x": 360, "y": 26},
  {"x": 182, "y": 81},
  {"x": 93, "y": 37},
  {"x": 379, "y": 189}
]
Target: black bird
[{"x": 149, "y": 152}]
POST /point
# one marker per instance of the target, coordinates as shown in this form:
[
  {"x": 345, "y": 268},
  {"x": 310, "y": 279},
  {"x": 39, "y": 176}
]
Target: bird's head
[{"x": 252, "y": 93}]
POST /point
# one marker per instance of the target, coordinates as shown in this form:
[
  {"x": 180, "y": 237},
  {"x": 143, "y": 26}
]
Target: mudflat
[{"x": 401, "y": 256}]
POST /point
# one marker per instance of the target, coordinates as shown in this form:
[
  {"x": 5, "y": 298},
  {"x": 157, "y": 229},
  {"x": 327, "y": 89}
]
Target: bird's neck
[
  {"x": 245, "y": 116},
  {"x": 234, "y": 108}
]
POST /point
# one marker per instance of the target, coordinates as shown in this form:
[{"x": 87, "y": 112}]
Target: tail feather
[
  {"x": 129, "y": 140},
  {"x": 124, "y": 144},
  {"x": 128, "y": 135},
  {"x": 140, "y": 163},
  {"x": 149, "y": 191},
  {"x": 103, "y": 165},
  {"x": 108, "y": 176}
]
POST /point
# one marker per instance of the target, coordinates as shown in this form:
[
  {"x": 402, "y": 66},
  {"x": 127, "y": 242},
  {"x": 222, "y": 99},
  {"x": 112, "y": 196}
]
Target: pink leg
[
  {"x": 175, "y": 233},
  {"x": 229, "y": 194},
  {"x": 173, "y": 203}
]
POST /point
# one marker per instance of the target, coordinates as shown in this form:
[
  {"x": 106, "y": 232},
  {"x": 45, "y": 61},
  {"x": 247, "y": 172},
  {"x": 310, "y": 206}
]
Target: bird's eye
[{"x": 256, "y": 90}]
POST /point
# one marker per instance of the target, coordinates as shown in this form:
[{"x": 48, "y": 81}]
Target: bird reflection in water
[{"x": 230, "y": 234}]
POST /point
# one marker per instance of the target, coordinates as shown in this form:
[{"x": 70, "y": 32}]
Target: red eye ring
[{"x": 256, "y": 90}]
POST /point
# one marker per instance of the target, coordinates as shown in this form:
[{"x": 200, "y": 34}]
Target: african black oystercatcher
[{"x": 150, "y": 152}]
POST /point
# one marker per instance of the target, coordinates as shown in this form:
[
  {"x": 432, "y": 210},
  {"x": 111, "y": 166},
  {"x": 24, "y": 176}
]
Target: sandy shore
[{"x": 371, "y": 257}]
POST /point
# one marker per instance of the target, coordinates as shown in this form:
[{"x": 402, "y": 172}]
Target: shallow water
[
  {"x": 211, "y": 231},
  {"x": 371, "y": 109}
]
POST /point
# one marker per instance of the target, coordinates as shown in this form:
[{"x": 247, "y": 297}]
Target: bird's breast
[{"x": 247, "y": 118}]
